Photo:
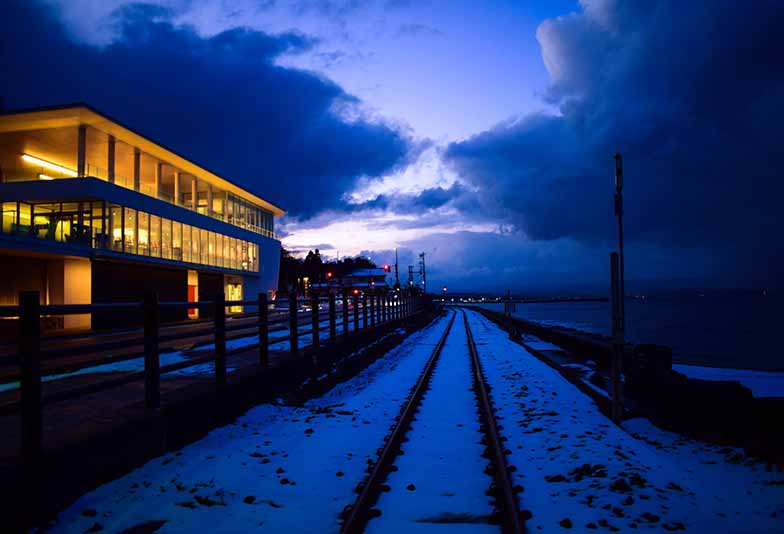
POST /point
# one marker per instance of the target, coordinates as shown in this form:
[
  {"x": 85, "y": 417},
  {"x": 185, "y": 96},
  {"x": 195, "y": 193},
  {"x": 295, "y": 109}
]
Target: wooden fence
[{"x": 376, "y": 309}]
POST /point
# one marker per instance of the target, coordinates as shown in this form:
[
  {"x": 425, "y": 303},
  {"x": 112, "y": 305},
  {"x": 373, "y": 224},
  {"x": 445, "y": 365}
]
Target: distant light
[
  {"x": 356, "y": 291},
  {"x": 329, "y": 275},
  {"x": 42, "y": 176},
  {"x": 48, "y": 164}
]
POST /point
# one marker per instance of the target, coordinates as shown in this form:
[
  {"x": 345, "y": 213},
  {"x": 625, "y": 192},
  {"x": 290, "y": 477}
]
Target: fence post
[
  {"x": 332, "y": 318},
  {"x": 293, "y": 327},
  {"x": 616, "y": 406},
  {"x": 263, "y": 330},
  {"x": 314, "y": 322},
  {"x": 384, "y": 309},
  {"x": 356, "y": 312},
  {"x": 345, "y": 311},
  {"x": 378, "y": 308},
  {"x": 152, "y": 360},
  {"x": 220, "y": 338},
  {"x": 30, "y": 381},
  {"x": 372, "y": 309},
  {"x": 364, "y": 310}
]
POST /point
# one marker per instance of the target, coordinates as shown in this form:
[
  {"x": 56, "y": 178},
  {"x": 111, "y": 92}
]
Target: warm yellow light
[
  {"x": 44, "y": 177},
  {"x": 47, "y": 164}
]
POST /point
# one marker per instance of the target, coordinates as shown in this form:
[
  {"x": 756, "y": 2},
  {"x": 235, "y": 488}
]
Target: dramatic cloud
[
  {"x": 690, "y": 93},
  {"x": 222, "y": 101}
]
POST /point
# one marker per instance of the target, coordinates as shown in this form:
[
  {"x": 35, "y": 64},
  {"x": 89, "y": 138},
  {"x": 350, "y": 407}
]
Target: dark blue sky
[{"x": 481, "y": 133}]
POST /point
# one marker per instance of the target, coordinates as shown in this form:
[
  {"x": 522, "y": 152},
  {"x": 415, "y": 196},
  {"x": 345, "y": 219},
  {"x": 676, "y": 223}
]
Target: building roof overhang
[{"x": 78, "y": 114}]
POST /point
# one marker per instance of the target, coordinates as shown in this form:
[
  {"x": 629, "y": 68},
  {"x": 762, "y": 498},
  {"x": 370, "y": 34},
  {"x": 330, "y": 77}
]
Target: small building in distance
[
  {"x": 356, "y": 281},
  {"x": 94, "y": 212}
]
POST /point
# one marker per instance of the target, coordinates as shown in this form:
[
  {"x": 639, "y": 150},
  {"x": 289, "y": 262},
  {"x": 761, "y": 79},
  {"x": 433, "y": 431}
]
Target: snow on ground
[
  {"x": 580, "y": 471},
  {"x": 449, "y": 495},
  {"x": 285, "y": 468},
  {"x": 761, "y": 383}
]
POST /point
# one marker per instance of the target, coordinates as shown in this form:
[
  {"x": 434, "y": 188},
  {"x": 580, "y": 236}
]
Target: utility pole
[
  {"x": 619, "y": 214},
  {"x": 422, "y": 272},
  {"x": 410, "y": 278},
  {"x": 397, "y": 279}
]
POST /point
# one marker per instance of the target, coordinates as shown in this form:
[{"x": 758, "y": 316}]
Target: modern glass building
[{"x": 94, "y": 212}]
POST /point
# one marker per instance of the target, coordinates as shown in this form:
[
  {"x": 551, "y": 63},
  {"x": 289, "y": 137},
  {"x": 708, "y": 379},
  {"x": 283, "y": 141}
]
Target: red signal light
[
  {"x": 356, "y": 291},
  {"x": 329, "y": 275},
  {"x": 387, "y": 267}
]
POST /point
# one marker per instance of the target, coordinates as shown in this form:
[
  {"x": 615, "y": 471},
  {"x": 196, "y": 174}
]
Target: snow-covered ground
[
  {"x": 286, "y": 468},
  {"x": 294, "y": 468},
  {"x": 449, "y": 494},
  {"x": 580, "y": 471}
]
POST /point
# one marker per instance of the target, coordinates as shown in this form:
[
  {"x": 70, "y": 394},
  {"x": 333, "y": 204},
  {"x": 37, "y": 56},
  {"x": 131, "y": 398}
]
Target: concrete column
[
  {"x": 209, "y": 199},
  {"x": 137, "y": 156},
  {"x": 177, "y": 188},
  {"x": 194, "y": 193},
  {"x": 110, "y": 160},
  {"x": 81, "y": 150},
  {"x": 158, "y": 179}
]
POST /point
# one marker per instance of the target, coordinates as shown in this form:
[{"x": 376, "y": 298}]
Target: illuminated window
[
  {"x": 129, "y": 231},
  {"x": 155, "y": 236}
]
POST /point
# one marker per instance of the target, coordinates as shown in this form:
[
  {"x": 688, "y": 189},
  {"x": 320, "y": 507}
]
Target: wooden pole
[
  {"x": 314, "y": 322},
  {"x": 293, "y": 328},
  {"x": 220, "y": 338},
  {"x": 372, "y": 310},
  {"x": 332, "y": 318},
  {"x": 345, "y": 311},
  {"x": 364, "y": 310},
  {"x": 152, "y": 360},
  {"x": 356, "y": 312},
  {"x": 263, "y": 330},
  {"x": 30, "y": 382},
  {"x": 616, "y": 408}
]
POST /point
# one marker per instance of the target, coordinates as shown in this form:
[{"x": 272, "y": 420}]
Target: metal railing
[{"x": 321, "y": 314}]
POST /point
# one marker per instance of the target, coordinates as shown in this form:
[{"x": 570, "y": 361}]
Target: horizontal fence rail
[{"x": 291, "y": 325}]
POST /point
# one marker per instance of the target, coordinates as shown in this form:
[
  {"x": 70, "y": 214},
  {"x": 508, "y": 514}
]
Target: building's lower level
[{"x": 62, "y": 279}]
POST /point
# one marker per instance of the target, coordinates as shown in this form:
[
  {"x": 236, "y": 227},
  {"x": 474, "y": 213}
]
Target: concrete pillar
[
  {"x": 177, "y": 188},
  {"x": 194, "y": 193},
  {"x": 110, "y": 160},
  {"x": 81, "y": 150},
  {"x": 137, "y": 156},
  {"x": 209, "y": 199},
  {"x": 158, "y": 179}
]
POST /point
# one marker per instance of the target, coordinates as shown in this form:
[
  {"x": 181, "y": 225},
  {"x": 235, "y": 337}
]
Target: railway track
[{"x": 371, "y": 501}]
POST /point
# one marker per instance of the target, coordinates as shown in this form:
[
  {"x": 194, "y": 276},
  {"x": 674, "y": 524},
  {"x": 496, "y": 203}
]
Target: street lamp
[{"x": 443, "y": 291}]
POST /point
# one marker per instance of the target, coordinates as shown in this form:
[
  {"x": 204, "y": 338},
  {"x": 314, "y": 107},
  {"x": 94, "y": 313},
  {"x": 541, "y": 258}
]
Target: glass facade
[
  {"x": 99, "y": 224},
  {"x": 51, "y": 154}
]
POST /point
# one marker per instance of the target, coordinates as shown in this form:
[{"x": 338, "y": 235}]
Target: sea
[{"x": 740, "y": 330}]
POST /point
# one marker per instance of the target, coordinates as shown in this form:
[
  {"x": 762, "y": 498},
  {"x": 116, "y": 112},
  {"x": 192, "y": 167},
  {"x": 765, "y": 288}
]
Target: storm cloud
[
  {"x": 690, "y": 93},
  {"x": 220, "y": 101}
]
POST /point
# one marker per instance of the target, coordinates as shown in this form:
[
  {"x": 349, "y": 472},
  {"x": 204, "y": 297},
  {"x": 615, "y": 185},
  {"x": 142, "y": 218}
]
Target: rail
[
  {"x": 506, "y": 499},
  {"x": 315, "y": 314},
  {"x": 357, "y": 516},
  {"x": 361, "y": 511}
]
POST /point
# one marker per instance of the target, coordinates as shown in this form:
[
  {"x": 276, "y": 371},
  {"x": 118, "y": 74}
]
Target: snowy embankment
[
  {"x": 286, "y": 468},
  {"x": 440, "y": 482},
  {"x": 580, "y": 471}
]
